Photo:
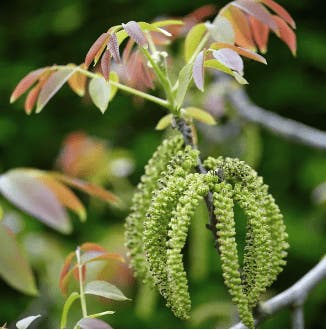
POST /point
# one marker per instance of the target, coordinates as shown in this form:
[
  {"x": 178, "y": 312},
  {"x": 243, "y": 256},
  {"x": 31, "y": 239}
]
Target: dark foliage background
[{"x": 37, "y": 33}]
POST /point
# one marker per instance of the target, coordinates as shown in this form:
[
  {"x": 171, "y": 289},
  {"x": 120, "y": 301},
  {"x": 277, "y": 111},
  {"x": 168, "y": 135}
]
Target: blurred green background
[{"x": 38, "y": 33}]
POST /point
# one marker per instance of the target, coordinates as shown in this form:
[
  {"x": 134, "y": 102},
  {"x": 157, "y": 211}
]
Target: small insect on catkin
[
  {"x": 171, "y": 185},
  {"x": 178, "y": 292},
  {"x": 141, "y": 201}
]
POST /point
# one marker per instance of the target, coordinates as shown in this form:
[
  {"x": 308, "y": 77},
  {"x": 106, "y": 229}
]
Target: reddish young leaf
[
  {"x": 280, "y": 11},
  {"x": 242, "y": 51},
  {"x": 113, "y": 47},
  {"x": 286, "y": 34},
  {"x": 93, "y": 251},
  {"x": 52, "y": 85},
  {"x": 240, "y": 23},
  {"x": 75, "y": 273},
  {"x": 26, "y": 83},
  {"x": 88, "y": 188},
  {"x": 230, "y": 59},
  {"x": 66, "y": 272},
  {"x": 31, "y": 98},
  {"x": 203, "y": 12},
  {"x": 93, "y": 323},
  {"x": 92, "y": 247},
  {"x": 64, "y": 195},
  {"x": 258, "y": 11},
  {"x": 135, "y": 32},
  {"x": 22, "y": 188},
  {"x": 97, "y": 45},
  {"x": 91, "y": 256},
  {"x": 198, "y": 70},
  {"x": 105, "y": 64},
  {"x": 260, "y": 32}
]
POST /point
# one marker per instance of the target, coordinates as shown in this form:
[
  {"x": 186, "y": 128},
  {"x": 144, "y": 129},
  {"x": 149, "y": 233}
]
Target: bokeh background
[{"x": 38, "y": 33}]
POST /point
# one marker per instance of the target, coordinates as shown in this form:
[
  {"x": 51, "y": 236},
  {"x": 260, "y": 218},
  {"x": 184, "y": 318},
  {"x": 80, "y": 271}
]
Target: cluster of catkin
[{"x": 163, "y": 206}]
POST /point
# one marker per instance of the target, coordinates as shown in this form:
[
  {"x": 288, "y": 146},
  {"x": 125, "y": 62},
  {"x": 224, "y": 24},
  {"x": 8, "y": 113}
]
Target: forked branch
[{"x": 293, "y": 297}]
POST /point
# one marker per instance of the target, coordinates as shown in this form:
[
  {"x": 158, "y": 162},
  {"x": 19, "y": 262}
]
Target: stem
[
  {"x": 297, "y": 317},
  {"x": 81, "y": 285},
  {"x": 187, "y": 134},
  {"x": 130, "y": 90},
  {"x": 162, "y": 78},
  {"x": 92, "y": 316}
]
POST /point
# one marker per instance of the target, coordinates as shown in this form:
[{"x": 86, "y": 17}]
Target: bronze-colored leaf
[
  {"x": 105, "y": 64},
  {"x": 88, "y": 188},
  {"x": 66, "y": 272},
  {"x": 97, "y": 45},
  {"x": 286, "y": 34},
  {"x": 77, "y": 82},
  {"x": 242, "y": 51},
  {"x": 257, "y": 10},
  {"x": 26, "y": 83},
  {"x": 64, "y": 195},
  {"x": 280, "y": 11},
  {"x": 135, "y": 32},
  {"x": 240, "y": 23},
  {"x": 113, "y": 47},
  {"x": 260, "y": 32},
  {"x": 31, "y": 98}
]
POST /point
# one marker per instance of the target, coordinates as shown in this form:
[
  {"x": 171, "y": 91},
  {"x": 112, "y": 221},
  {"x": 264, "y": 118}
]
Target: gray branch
[
  {"x": 294, "y": 297},
  {"x": 287, "y": 128}
]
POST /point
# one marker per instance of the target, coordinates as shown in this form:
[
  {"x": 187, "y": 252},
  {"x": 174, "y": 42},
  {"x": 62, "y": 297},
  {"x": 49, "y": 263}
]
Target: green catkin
[
  {"x": 257, "y": 260},
  {"x": 165, "y": 198},
  {"x": 266, "y": 239},
  {"x": 141, "y": 201},
  {"x": 223, "y": 209},
  {"x": 179, "y": 298}
]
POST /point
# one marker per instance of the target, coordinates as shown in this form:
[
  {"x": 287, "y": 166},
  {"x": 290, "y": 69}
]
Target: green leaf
[
  {"x": 164, "y": 122},
  {"x": 193, "y": 39},
  {"x": 74, "y": 296},
  {"x": 121, "y": 36},
  {"x": 113, "y": 89},
  {"x": 217, "y": 65},
  {"x": 151, "y": 27},
  {"x": 168, "y": 22},
  {"x": 99, "y": 91},
  {"x": 200, "y": 115},
  {"x": 105, "y": 289},
  {"x": 52, "y": 85},
  {"x": 26, "y": 322},
  {"x": 221, "y": 30},
  {"x": 239, "y": 78},
  {"x": 184, "y": 80},
  {"x": 14, "y": 268}
]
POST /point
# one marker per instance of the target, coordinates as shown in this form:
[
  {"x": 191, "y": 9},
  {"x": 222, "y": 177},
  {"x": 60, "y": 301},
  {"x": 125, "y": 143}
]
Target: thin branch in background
[
  {"x": 297, "y": 317},
  {"x": 286, "y": 128},
  {"x": 187, "y": 134},
  {"x": 293, "y": 297}
]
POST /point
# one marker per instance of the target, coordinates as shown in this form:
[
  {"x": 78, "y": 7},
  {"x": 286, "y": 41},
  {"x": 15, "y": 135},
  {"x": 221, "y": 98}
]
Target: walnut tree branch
[
  {"x": 293, "y": 297},
  {"x": 187, "y": 134},
  {"x": 286, "y": 128}
]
